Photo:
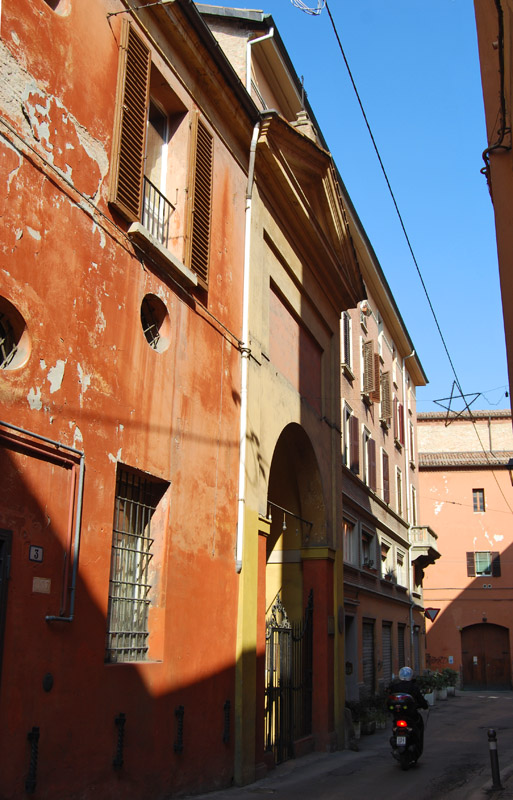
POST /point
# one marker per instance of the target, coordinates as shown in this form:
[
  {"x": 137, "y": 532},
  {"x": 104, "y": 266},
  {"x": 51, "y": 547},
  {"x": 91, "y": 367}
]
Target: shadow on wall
[
  {"x": 473, "y": 633},
  {"x": 70, "y": 722}
]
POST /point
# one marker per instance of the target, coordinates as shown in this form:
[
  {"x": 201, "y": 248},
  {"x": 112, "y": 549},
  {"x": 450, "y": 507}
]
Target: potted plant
[
  {"x": 451, "y": 678},
  {"x": 427, "y": 686},
  {"x": 440, "y": 685},
  {"x": 369, "y": 721},
  {"x": 356, "y": 709}
]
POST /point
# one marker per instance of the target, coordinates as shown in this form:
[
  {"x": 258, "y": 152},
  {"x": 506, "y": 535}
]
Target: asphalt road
[{"x": 455, "y": 764}]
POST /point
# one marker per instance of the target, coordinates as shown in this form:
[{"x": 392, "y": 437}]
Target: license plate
[{"x": 400, "y": 740}]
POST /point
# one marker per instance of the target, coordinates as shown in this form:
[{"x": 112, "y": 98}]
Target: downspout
[
  {"x": 245, "y": 354},
  {"x": 78, "y": 518},
  {"x": 248, "y": 56},
  {"x": 407, "y": 503}
]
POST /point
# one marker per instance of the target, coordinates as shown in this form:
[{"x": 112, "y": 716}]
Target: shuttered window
[
  {"x": 371, "y": 450},
  {"x": 386, "y": 478},
  {"x": 129, "y": 150},
  {"x": 129, "y": 138},
  {"x": 398, "y": 421},
  {"x": 399, "y": 490},
  {"x": 354, "y": 454},
  {"x": 200, "y": 200},
  {"x": 346, "y": 339},
  {"x": 368, "y": 368},
  {"x": 482, "y": 563},
  {"x": 386, "y": 398},
  {"x": 376, "y": 391}
]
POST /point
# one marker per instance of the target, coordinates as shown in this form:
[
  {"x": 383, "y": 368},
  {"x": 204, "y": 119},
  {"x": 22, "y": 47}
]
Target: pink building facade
[{"x": 466, "y": 494}]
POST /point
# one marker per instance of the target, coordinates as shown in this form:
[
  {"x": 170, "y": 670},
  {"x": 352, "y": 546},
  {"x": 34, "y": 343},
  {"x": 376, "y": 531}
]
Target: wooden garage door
[{"x": 486, "y": 657}]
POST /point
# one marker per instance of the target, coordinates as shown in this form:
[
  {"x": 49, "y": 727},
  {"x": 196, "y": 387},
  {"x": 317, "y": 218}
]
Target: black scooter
[{"x": 407, "y": 738}]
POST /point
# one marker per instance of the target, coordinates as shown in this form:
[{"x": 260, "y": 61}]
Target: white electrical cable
[{"x": 314, "y": 11}]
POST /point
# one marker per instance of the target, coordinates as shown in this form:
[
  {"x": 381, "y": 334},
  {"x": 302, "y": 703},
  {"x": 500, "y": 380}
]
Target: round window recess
[
  {"x": 155, "y": 322},
  {"x": 61, "y": 7},
  {"x": 14, "y": 338}
]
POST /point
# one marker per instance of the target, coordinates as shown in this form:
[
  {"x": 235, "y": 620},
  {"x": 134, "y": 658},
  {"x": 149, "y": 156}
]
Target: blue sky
[{"x": 416, "y": 67}]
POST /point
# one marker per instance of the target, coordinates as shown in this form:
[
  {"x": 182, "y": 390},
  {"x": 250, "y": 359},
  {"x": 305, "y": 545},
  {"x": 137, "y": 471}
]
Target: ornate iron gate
[{"x": 288, "y": 680}]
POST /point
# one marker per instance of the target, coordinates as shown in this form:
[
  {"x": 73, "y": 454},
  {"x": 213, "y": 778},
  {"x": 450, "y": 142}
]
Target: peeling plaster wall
[{"x": 92, "y": 381}]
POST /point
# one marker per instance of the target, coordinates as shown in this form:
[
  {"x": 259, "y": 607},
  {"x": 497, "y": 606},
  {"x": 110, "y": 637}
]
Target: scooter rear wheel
[{"x": 404, "y": 761}]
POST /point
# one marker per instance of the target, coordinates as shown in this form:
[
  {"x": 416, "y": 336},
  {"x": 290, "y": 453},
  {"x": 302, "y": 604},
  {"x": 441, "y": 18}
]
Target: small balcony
[
  {"x": 424, "y": 547},
  {"x": 151, "y": 234},
  {"x": 156, "y": 212}
]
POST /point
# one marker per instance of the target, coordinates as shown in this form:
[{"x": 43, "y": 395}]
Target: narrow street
[{"x": 455, "y": 763}]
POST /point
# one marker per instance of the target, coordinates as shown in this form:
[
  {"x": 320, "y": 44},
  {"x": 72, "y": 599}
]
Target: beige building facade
[{"x": 385, "y": 549}]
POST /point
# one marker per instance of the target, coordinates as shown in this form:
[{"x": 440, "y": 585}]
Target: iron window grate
[
  {"x": 150, "y": 325},
  {"x": 8, "y": 343},
  {"x": 130, "y": 584}
]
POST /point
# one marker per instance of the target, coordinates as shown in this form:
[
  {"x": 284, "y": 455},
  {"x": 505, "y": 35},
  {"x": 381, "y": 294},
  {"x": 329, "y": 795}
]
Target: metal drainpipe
[
  {"x": 407, "y": 498},
  {"x": 245, "y": 353},
  {"x": 78, "y": 519},
  {"x": 248, "y": 56}
]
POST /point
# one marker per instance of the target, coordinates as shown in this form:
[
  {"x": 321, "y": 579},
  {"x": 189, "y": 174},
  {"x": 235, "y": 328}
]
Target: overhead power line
[{"x": 392, "y": 195}]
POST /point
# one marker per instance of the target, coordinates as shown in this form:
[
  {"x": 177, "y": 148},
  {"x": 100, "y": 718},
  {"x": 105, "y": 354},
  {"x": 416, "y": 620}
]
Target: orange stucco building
[
  {"x": 177, "y": 252},
  {"x": 121, "y": 282},
  {"x": 466, "y": 494},
  {"x": 494, "y": 21}
]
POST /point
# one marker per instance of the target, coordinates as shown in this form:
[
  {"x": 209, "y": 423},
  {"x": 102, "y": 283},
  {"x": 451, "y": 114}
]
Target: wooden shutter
[
  {"x": 346, "y": 332},
  {"x": 354, "y": 455},
  {"x": 386, "y": 398},
  {"x": 371, "y": 450},
  {"x": 129, "y": 137},
  {"x": 471, "y": 567},
  {"x": 400, "y": 422},
  {"x": 496, "y": 564},
  {"x": 200, "y": 200},
  {"x": 368, "y": 367},
  {"x": 386, "y": 479},
  {"x": 375, "y": 394}
]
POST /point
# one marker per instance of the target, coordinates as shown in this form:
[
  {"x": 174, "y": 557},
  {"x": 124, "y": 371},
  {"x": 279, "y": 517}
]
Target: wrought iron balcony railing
[{"x": 156, "y": 212}]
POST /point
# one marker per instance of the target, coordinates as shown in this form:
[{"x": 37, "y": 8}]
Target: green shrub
[{"x": 451, "y": 676}]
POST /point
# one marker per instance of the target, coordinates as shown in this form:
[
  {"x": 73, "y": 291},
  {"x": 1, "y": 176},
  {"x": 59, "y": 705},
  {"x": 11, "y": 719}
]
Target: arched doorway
[
  {"x": 486, "y": 656},
  {"x": 297, "y": 512},
  {"x": 296, "y": 507}
]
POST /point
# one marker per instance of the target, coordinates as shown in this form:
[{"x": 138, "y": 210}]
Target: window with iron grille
[
  {"x": 137, "y": 497},
  {"x": 14, "y": 339},
  {"x": 8, "y": 343}
]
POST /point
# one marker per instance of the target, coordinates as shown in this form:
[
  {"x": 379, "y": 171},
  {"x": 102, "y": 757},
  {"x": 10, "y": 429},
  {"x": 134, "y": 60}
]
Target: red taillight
[{"x": 401, "y": 723}]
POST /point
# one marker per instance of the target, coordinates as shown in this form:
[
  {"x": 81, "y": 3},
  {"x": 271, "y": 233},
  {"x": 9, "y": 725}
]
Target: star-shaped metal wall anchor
[{"x": 456, "y": 414}]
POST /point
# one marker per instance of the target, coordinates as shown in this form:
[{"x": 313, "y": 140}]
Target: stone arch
[{"x": 297, "y": 508}]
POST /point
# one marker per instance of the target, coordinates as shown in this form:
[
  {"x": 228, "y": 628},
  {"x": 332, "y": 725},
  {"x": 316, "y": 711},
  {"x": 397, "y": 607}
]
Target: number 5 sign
[{"x": 35, "y": 553}]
